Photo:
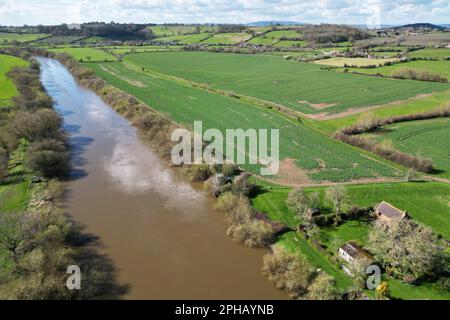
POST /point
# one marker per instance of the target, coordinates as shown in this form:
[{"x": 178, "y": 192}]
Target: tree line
[{"x": 40, "y": 241}]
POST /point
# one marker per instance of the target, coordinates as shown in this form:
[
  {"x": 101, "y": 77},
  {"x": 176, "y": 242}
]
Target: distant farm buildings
[{"x": 386, "y": 212}]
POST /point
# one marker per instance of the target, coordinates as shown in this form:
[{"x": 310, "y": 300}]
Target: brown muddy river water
[{"x": 162, "y": 233}]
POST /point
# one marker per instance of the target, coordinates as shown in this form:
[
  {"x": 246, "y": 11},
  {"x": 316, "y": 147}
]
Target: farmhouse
[
  {"x": 386, "y": 212},
  {"x": 350, "y": 251}
]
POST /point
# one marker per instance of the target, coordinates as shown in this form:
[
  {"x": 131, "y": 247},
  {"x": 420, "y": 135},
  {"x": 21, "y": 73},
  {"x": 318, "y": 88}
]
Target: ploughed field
[
  {"x": 300, "y": 86},
  {"x": 320, "y": 157}
]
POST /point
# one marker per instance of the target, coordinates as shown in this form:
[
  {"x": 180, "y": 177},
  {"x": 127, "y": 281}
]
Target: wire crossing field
[
  {"x": 86, "y": 54},
  {"x": 322, "y": 158},
  {"x": 426, "y": 138},
  {"x": 300, "y": 86},
  {"x": 8, "y": 89}
]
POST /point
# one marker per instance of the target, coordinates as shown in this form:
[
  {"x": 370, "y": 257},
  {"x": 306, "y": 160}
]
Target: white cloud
[{"x": 232, "y": 11}]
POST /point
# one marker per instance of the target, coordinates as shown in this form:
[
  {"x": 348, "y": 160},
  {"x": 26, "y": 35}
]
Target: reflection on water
[{"x": 161, "y": 233}]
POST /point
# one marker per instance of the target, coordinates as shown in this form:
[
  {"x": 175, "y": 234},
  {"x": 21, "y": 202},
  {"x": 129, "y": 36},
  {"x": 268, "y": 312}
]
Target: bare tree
[
  {"x": 14, "y": 229},
  {"x": 338, "y": 196}
]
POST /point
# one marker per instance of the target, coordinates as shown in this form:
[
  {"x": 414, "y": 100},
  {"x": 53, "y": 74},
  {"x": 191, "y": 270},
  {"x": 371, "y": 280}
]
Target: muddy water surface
[{"x": 161, "y": 233}]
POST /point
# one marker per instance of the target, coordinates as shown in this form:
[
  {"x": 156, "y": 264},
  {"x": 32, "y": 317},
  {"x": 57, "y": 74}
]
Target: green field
[
  {"x": 8, "y": 90},
  {"x": 86, "y": 54},
  {"x": 426, "y": 202},
  {"x": 383, "y": 54},
  {"x": 59, "y": 40},
  {"x": 430, "y": 53},
  {"x": 278, "y": 34},
  {"x": 139, "y": 49},
  {"x": 410, "y": 106},
  {"x": 290, "y": 44},
  {"x": 20, "y": 37},
  {"x": 175, "y": 30},
  {"x": 441, "y": 68},
  {"x": 424, "y": 138},
  {"x": 227, "y": 38},
  {"x": 300, "y": 86},
  {"x": 184, "y": 39},
  {"x": 319, "y": 156},
  {"x": 262, "y": 40}
]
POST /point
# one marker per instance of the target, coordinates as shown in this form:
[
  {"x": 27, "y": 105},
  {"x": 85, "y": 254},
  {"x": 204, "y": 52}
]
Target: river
[{"x": 160, "y": 231}]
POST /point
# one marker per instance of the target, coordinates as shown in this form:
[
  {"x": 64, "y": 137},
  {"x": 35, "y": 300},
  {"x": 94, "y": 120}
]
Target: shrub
[
  {"x": 288, "y": 272},
  {"x": 229, "y": 169},
  {"x": 383, "y": 291},
  {"x": 4, "y": 159},
  {"x": 49, "y": 158},
  {"x": 198, "y": 172},
  {"x": 412, "y": 175},
  {"x": 241, "y": 212},
  {"x": 254, "y": 233},
  {"x": 356, "y": 212},
  {"x": 226, "y": 202},
  {"x": 407, "y": 73},
  {"x": 42, "y": 124},
  {"x": 242, "y": 186},
  {"x": 323, "y": 287}
]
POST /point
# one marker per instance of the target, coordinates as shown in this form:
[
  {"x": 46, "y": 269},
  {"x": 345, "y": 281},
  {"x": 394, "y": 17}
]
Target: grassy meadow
[
  {"x": 6, "y": 37},
  {"x": 300, "y": 86},
  {"x": 441, "y": 68},
  {"x": 410, "y": 106},
  {"x": 227, "y": 38},
  {"x": 86, "y": 54},
  {"x": 425, "y": 138},
  {"x": 430, "y": 53},
  {"x": 8, "y": 90}
]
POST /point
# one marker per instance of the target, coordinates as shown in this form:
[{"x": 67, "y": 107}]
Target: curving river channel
[{"x": 161, "y": 233}]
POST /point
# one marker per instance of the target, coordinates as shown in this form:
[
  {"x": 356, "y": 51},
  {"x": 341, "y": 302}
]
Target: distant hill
[
  {"x": 273, "y": 23},
  {"x": 421, "y": 26}
]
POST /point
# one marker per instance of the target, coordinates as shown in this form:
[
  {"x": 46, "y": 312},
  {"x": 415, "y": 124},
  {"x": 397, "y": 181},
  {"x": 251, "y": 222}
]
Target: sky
[{"x": 366, "y": 12}]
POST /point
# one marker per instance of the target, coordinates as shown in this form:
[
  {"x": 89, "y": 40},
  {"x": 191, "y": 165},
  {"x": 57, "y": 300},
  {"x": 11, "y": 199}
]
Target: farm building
[
  {"x": 350, "y": 251},
  {"x": 386, "y": 212}
]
